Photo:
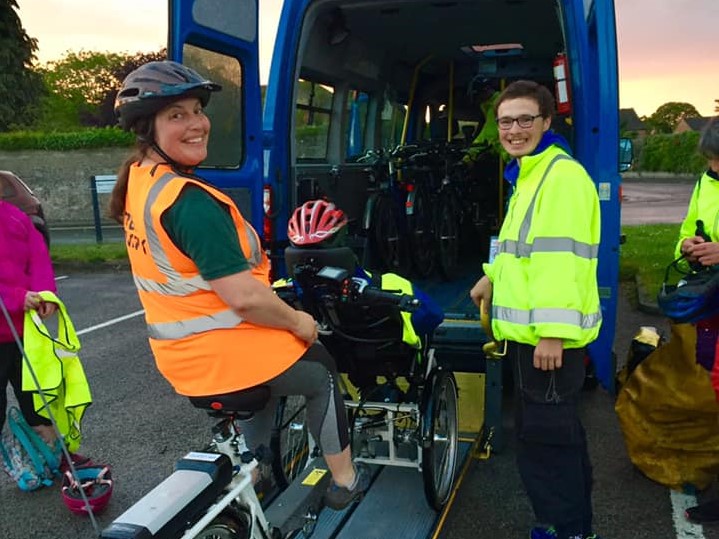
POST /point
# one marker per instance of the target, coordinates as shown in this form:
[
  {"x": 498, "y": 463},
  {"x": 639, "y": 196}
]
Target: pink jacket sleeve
[{"x": 42, "y": 276}]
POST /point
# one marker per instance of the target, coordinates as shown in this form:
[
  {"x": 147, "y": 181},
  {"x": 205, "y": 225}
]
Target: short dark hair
[
  {"x": 531, "y": 90},
  {"x": 709, "y": 139}
]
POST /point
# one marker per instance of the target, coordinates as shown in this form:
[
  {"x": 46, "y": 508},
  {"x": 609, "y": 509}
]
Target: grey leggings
[{"x": 314, "y": 376}]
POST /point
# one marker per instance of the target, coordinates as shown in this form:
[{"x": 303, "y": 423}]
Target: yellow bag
[
  {"x": 669, "y": 415},
  {"x": 58, "y": 371}
]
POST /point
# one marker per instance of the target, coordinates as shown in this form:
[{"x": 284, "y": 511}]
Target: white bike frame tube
[{"x": 244, "y": 490}]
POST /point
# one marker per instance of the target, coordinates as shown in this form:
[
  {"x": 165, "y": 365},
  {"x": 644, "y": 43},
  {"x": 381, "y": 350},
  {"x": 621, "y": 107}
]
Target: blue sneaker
[
  {"x": 551, "y": 533},
  {"x": 543, "y": 533}
]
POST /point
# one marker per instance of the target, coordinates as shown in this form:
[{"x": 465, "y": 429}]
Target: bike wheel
[
  {"x": 227, "y": 526},
  {"x": 386, "y": 236},
  {"x": 421, "y": 234},
  {"x": 440, "y": 438},
  {"x": 290, "y": 441},
  {"x": 447, "y": 227}
]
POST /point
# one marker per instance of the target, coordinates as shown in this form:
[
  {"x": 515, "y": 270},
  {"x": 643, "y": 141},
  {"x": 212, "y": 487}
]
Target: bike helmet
[
  {"x": 154, "y": 85},
  {"x": 95, "y": 481},
  {"x": 316, "y": 222}
]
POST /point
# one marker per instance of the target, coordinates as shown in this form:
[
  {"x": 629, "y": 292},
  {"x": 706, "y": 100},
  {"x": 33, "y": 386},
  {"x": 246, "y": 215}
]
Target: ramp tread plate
[
  {"x": 397, "y": 491},
  {"x": 394, "y": 506}
]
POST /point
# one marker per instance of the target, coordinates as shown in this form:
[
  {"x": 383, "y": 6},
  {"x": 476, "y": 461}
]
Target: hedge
[
  {"x": 671, "y": 153},
  {"x": 60, "y": 141},
  {"x": 655, "y": 153}
]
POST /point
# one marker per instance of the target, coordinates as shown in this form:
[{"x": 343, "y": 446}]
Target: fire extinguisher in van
[{"x": 561, "y": 84}]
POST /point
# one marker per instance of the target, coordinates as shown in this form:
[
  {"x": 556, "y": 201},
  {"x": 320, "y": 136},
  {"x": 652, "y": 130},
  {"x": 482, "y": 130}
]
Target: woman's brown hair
[{"x": 144, "y": 130}]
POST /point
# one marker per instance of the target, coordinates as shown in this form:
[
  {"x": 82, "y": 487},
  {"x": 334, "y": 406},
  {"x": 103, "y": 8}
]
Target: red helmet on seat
[{"x": 314, "y": 222}]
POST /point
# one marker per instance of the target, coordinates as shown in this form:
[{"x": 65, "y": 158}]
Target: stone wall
[{"x": 61, "y": 180}]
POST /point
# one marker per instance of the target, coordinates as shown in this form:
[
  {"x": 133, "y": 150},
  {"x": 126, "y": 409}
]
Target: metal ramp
[{"x": 394, "y": 506}]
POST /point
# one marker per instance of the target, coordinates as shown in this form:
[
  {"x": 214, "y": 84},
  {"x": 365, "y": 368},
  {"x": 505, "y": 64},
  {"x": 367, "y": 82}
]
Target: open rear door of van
[{"x": 219, "y": 39}]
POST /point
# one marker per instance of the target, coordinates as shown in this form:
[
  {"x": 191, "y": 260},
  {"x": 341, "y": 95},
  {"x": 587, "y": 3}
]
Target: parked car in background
[{"x": 16, "y": 192}]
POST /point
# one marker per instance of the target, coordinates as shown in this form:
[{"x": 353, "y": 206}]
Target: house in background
[
  {"x": 691, "y": 124},
  {"x": 630, "y": 124}
]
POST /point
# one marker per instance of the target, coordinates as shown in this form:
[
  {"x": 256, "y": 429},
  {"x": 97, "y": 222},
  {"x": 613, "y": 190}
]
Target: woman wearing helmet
[
  {"x": 215, "y": 326},
  {"x": 699, "y": 244}
]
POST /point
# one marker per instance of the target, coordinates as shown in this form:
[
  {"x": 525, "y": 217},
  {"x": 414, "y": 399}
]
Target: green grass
[
  {"x": 645, "y": 255},
  {"x": 88, "y": 253}
]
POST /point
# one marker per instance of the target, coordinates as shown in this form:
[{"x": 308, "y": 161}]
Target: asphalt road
[
  {"x": 650, "y": 202},
  {"x": 139, "y": 426}
]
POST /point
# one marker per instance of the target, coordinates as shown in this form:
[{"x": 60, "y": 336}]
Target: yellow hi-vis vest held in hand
[
  {"x": 58, "y": 371},
  {"x": 545, "y": 273},
  {"x": 201, "y": 345}
]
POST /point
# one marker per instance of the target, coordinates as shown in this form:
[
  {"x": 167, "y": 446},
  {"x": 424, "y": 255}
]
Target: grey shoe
[{"x": 338, "y": 498}]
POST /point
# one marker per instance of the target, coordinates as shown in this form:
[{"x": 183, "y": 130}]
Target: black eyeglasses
[{"x": 524, "y": 121}]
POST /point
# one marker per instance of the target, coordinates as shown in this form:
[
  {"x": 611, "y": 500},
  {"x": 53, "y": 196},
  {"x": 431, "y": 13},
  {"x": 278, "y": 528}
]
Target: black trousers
[
  {"x": 552, "y": 454},
  {"x": 11, "y": 372}
]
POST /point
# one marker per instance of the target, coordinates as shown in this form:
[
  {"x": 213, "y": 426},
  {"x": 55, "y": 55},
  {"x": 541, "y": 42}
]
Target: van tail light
[
  {"x": 267, "y": 225},
  {"x": 267, "y": 228}
]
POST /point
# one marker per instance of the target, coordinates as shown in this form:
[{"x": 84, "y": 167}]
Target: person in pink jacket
[{"x": 25, "y": 269}]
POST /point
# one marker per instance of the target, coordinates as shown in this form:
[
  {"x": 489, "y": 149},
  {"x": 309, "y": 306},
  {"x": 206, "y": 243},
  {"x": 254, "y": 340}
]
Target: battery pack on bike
[{"x": 164, "y": 512}]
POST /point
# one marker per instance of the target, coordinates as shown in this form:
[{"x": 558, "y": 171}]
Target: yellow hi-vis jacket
[
  {"x": 201, "y": 345},
  {"x": 54, "y": 369},
  {"x": 703, "y": 205},
  {"x": 545, "y": 273}
]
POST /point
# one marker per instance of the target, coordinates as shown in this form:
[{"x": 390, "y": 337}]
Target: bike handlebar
[{"x": 405, "y": 302}]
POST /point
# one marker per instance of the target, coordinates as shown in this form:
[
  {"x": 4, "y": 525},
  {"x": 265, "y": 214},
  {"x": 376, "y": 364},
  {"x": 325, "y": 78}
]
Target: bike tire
[
  {"x": 440, "y": 438},
  {"x": 447, "y": 233},
  {"x": 387, "y": 238},
  {"x": 422, "y": 238},
  {"x": 290, "y": 441}
]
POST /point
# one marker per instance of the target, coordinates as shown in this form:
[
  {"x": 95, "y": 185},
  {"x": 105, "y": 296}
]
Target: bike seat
[{"x": 247, "y": 400}]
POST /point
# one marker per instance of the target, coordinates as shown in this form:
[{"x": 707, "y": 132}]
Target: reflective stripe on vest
[
  {"x": 547, "y": 316},
  {"x": 177, "y": 330},
  {"x": 521, "y": 249},
  {"x": 177, "y": 285}
]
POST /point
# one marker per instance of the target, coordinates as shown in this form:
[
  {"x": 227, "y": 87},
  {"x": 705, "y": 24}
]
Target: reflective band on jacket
[
  {"x": 549, "y": 245},
  {"x": 547, "y": 316},
  {"x": 185, "y": 328}
]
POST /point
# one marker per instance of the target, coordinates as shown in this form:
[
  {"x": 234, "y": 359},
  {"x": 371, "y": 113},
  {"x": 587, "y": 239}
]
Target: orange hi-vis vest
[{"x": 201, "y": 346}]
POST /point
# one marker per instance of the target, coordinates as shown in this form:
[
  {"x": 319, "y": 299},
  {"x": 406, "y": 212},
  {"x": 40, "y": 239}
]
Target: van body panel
[
  {"x": 220, "y": 40},
  {"x": 352, "y": 76}
]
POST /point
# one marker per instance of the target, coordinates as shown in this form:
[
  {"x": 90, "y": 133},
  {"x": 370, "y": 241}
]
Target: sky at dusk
[{"x": 667, "y": 50}]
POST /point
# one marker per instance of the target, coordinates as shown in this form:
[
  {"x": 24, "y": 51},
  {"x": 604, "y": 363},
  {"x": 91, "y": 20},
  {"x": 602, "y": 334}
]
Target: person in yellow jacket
[
  {"x": 542, "y": 289},
  {"x": 487, "y": 140},
  {"x": 699, "y": 244},
  {"x": 215, "y": 326}
]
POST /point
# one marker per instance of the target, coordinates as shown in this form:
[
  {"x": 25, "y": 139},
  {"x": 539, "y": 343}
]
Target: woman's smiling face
[
  {"x": 520, "y": 141},
  {"x": 181, "y": 131}
]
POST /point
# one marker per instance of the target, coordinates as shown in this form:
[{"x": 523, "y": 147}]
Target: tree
[
  {"x": 666, "y": 117},
  {"x": 20, "y": 86},
  {"x": 82, "y": 86},
  {"x": 716, "y": 106},
  {"x": 106, "y": 111}
]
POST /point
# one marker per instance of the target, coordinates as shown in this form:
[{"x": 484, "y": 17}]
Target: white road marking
[
  {"x": 111, "y": 322},
  {"x": 684, "y": 528},
  {"x": 61, "y": 277}
]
